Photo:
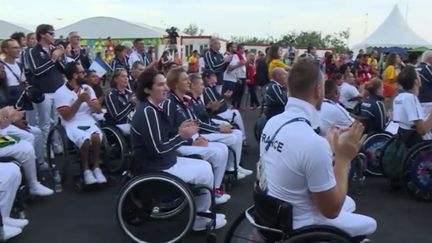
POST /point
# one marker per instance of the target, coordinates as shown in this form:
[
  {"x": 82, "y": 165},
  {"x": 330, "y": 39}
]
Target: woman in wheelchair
[
  {"x": 75, "y": 103},
  {"x": 177, "y": 107},
  {"x": 407, "y": 111},
  {"x": 373, "y": 113},
  {"x": 155, "y": 140},
  {"x": 216, "y": 104},
  {"x": 223, "y": 133},
  {"x": 119, "y": 102}
]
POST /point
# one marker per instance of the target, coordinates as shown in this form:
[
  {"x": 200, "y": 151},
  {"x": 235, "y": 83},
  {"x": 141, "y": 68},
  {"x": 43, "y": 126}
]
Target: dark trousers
[
  {"x": 238, "y": 93},
  {"x": 253, "y": 96}
]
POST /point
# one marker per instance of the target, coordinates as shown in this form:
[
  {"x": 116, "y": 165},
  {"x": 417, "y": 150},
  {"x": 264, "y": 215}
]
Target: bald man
[{"x": 276, "y": 93}]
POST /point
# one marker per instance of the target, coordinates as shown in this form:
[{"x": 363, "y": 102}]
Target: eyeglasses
[
  {"x": 81, "y": 72},
  {"x": 52, "y": 33}
]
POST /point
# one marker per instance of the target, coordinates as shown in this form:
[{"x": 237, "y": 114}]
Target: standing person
[
  {"x": 14, "y": 74},
  {"x": 274, "y": 59},
  {"x": 305, "y": 169},
  {"x": 47, "y": 73},
  {"x": 22, "y": 42},
  {"x": 193, "y": 62},
  {"x": 241, "y": 76},
  {"x": 79, "y": 53},
  {"x": 276, "y": 94},
  {"x": 215, "y": 61},
  {"x": 137, "y": 69},
  {"x": 120, "y": 58},
  {"x": 230, "y": 79},
  {"x": 138, "y": 54},
  {"x": 390, "y": 78},
  {"x": 164, "y": 60},
  {"x": 201, "y": 61},
  {"x": 149, "y": 54},
  {"x": 372, "y": 61},
  {"x": 250, "y": 81}
]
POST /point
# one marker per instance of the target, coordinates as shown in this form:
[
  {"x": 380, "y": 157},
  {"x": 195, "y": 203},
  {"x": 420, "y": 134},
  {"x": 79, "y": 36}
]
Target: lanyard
[{"x": 297, "y": 119}]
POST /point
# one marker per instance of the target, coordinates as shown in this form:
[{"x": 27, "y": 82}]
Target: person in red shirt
[{"x": 250, "y": 80}]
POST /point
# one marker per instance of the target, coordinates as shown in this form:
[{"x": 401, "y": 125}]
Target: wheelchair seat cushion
[{"x": 272, "y": 212}]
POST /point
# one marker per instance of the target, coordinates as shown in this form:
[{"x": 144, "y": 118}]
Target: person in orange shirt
[
  {"x": 390, "y": 78},
  {"x": 274, "y": 59}
]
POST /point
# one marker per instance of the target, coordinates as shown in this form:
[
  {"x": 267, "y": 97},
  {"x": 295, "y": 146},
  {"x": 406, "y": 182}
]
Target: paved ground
[{"x": 88, "y": 217}]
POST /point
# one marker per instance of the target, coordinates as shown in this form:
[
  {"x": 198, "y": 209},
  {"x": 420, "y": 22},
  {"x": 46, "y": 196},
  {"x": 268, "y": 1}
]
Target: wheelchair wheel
[
  {"x": 319, "y": 236},
  {"x": 115, "y": 149},
  {"x": 242, "y": 231},
  {"x": 418, "y": 171},
  {"x": 372, "y": 147},
  {"x": 58, "y": 149},
  {"x": 155, "y": 207}
]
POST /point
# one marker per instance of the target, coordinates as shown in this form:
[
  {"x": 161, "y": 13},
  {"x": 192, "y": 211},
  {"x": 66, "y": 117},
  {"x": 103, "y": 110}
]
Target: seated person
[
  {"x": 155, "y": 140},
  {"x": 119, "y": 102},
  {"x": 213, "y": 132},
  {"x": 331, "y": 111},
  {"x": 137, "y": 69},
  {"x": 75, "y": 103},
  {"x": 178, "y": 111},
  {"x": 407, "y": 110},
  {"x": 306, "y": 170},
  {"x": 10, "y": 180},
  {"x": 373, "y": 113},
  {"x": 349, "y": 95},
  {"x": 216, "y": 104},
  {"x": 20, "y": 149},
  {"x": 95, "y": 83},
  {"x": 276, "y": 93}
]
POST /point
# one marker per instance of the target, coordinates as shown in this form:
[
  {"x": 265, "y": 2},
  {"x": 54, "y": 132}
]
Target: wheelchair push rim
[
  {"x": 372, "y": 148},
  {"x": 418, "y": 171},
  {"x": 115, "y": 149},
  {"x": 155, "y": 212}
]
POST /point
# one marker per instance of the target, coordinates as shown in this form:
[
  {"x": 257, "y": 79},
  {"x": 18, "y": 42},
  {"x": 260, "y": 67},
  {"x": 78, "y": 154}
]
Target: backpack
[{"x": 393, "y": 155}]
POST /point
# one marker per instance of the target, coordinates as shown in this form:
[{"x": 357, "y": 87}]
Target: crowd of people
[{"x": 170, "y": 113}]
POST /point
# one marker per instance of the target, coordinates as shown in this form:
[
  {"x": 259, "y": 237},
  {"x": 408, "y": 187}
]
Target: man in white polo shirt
[
  {"x": 296, "y": 164},
  {"x": 75, "y": 102},
  {"x": 348, "y": 92}
]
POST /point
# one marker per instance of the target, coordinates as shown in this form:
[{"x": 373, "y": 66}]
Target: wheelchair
[
  {"x": 372, "y": 147},
  {"x": 159, "y": 207},
  {"x": 60, "y": 150},
  {"x": 270, "y": 220},
  {"x": 415, "y": 170},
  {"x": 119, "y": 148},
  {"x": 259, "y": 126}
]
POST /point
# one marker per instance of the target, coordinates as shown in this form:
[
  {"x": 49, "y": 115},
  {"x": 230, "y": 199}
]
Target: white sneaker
[
  {"x": 240, "y": 175},
  {"x": 10, "y": 232},
  {"x": 201, "y": 223},
  {"x": 18, "y": 223},
  {"x": 89, "y": 178},
  {"x": 221, "y": 197},
  {"x": 100, "y": 178},
  {"x": 244, "y": 171},
  {"x": 40, "y": 190}
]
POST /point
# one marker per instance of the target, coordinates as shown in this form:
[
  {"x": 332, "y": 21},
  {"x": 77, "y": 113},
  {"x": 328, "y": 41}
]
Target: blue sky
[{"x": 227, "y": 18}]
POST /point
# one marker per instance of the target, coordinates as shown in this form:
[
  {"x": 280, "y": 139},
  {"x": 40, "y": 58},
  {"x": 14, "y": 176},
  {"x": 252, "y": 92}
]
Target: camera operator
[{"x": 47, "y": 74}]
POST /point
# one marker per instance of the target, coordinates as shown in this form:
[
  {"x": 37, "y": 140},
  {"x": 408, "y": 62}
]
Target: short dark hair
[
  {"x": 136, "y": 64},
  {"x": 70, "y": 69},
  {"x": 145, "y": 81},
  {"x": 337, "y": 76},
  {"x": 43, "y": 29},
  {"x": 137, "y": 40},
  {"x": 119, "y": 48},
  {"x": 17, "y": 36},
  {"x": 407, "y": 77},
  {"x": 303, "y": 76},
  {"x": 330, "y": 86}
]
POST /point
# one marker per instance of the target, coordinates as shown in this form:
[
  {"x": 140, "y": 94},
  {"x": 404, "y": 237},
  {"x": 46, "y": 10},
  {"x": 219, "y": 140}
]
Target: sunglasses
[{"x": 52, "y": 33}]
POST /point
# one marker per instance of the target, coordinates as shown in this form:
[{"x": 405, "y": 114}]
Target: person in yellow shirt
[
  {"x": 274, "y": 59},
  {"x": 373, "y": 64},
  {"x": 193, "y": 62},
  {"x": 390, "y": 78}
]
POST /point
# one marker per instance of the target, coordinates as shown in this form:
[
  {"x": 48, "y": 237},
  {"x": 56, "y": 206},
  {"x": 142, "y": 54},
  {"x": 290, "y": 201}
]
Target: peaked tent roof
[
  {"x": 7, "y": 29},
  {"x": 102, "y": 27},
  {"x": 393, "y": 32}
]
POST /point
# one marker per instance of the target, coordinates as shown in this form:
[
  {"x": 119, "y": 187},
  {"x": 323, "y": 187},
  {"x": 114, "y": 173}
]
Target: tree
[
  {"x": 248, "y": 39},
  {"x": 193, "y": 29}
]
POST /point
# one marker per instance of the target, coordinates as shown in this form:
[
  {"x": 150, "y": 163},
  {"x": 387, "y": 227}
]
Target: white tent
[
  {"x": 102, "y": 27},
  {"x": 7, "y": 29},
  {"x": 393, "y": 32}
]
